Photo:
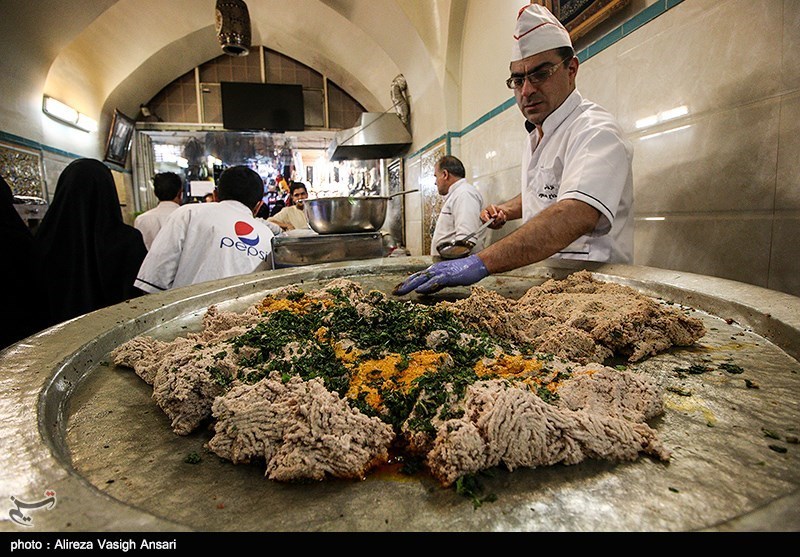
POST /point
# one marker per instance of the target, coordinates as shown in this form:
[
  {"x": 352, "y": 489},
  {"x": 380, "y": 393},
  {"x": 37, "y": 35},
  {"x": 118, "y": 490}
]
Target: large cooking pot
[{"x": 341, "y": 215}]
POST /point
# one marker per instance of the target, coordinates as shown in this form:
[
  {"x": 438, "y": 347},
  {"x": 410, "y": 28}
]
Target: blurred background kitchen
[{"x": 708, "y": 93}]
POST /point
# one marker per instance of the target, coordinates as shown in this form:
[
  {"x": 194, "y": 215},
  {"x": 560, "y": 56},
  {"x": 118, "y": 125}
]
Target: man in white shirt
[
  {"x": 208, "y": 241},
  {"x": 460, "y": 215},
  {"x": 168, "y": 188},
  {"x": 577, "y": 187},
  {"x": 293, "y": 217}
]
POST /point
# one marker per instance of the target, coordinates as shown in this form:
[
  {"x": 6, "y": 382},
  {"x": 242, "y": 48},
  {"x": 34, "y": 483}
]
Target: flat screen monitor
[{"x": 262, "y": 106}]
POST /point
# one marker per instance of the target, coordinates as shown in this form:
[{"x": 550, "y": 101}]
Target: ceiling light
[
  {"x": 232, "y": 22},
  {"x": 67, "y": 115}
]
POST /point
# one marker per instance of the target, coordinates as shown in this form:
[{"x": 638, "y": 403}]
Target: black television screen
[{"x": 262, "y": 106}]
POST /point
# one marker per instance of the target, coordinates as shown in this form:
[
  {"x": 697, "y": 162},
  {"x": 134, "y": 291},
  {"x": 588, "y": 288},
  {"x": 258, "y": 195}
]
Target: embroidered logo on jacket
[
  {"x": 247, "y": 240},
  {"x": 246, "y": 233}
]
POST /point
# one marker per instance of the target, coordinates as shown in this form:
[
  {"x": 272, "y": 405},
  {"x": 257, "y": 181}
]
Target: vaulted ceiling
[{"x": 97, "y": 55}]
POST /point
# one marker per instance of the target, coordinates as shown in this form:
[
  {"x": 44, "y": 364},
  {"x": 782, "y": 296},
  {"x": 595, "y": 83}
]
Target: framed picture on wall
[
  {"x": 580, "y": 16},
  {"x": 119, "y": 139}
]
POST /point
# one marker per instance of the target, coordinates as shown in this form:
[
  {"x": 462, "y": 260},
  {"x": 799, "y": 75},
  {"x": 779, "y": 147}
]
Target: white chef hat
[{"x": 537, "y": 30}]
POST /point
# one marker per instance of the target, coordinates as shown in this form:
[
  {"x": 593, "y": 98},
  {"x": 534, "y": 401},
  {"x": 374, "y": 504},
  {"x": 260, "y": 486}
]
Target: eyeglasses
[{"x": 517, "y": 82}]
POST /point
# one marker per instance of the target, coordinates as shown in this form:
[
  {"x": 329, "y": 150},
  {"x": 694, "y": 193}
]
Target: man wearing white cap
[{"x": 577, "y": 188}]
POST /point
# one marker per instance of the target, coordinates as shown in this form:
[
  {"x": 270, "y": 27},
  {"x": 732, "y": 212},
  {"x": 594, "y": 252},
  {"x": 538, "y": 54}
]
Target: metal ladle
[
  {"x": 456, "y": 249},
  {"x": 402, "y": 193}
]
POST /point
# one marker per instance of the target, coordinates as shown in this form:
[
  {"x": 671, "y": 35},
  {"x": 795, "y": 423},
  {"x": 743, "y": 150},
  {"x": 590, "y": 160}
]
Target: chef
[
  {"x": 460, "y": 213},
  {"x": 576, "y": 200},
  {"x": 207, "y": 241}
]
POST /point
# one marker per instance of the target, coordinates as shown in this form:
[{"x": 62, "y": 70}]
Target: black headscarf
[
  {"x": 87, "y": 255},
  {"x": 22, "y": 308}
]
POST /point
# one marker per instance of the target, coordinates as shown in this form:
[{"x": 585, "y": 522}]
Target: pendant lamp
[{"x": 233, "y": 27}]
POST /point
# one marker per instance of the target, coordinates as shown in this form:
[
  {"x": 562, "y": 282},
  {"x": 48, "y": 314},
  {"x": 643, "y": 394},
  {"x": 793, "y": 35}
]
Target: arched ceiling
[{"x": 119, "y": 53}]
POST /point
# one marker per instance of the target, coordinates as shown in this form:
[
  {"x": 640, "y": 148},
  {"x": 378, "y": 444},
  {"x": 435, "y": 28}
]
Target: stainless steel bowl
[{"x": 340, "y": 215}]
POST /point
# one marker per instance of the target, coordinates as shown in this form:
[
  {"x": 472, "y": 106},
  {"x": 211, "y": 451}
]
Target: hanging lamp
[{"x": 232, "y": 22}]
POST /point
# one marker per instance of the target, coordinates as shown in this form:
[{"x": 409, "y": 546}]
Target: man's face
[
  {"x": 537, "y": 101},
  {"x": 441, "y": 180},
  {"x": 299, "y": 196}
]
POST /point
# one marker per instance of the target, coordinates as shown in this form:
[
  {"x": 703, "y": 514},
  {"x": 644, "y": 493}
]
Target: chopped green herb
[
  {"x": 731, "y": 368},
  {"x": 220, "y": 377},
  {"x": 472, "y": 488},
  {"x": 679, "y": 391},
  {"x": 694, "y": 369}
]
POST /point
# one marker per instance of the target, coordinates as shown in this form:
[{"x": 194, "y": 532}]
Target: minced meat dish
[{"x": 329, "y": 383}]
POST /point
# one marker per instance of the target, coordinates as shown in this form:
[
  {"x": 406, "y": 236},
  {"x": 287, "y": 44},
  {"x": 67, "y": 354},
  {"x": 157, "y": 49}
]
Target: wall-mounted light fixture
[{"x": 67, "y": 115}]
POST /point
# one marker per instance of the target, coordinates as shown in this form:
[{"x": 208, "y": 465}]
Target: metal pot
[{"x": 341, "y": 215}]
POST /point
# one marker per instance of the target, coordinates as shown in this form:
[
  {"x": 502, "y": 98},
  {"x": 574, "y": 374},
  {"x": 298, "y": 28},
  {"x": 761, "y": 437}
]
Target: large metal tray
[{"x": 77, "y": 425}]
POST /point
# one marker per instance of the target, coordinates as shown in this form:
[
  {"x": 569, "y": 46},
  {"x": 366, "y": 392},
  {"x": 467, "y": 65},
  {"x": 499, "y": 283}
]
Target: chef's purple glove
[{"x": 455, "y": 272}]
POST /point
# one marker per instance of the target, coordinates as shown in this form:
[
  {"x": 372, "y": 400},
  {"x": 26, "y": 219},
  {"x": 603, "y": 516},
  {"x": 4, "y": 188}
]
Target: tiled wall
[{"x": 717, "y": 190}]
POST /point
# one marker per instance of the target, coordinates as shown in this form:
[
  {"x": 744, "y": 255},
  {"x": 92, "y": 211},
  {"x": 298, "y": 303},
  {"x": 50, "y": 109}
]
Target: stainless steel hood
[{"x": 378, "y": 135}]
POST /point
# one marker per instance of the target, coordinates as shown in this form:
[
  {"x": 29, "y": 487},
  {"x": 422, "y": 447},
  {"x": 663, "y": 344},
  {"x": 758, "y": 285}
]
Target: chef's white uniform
[
  {"x": 583, "y": 155},
  {"x": 460, "y": 216},
  {"x": 150, "y": 222},
  {"x": 205, "y": 241}
]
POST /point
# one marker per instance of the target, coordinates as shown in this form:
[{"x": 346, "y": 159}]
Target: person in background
[
  {"x": 576, "y": 200},
  {"x": 277, "y": 207},
  {"x": 168, "y": 188},
  {"x": 283, "y": 186},
  {"x": 264, "y": 206},
  {"x": 460, "y": 215},
  {"x": 86, "y": 255},
  {"x": 209, "y": 198},
  {"x": 22, "y": 308},
  {"x": 209, "y": 241},
  {"x": 293, "y": 217},
  {"x": 261, "y": 212}
]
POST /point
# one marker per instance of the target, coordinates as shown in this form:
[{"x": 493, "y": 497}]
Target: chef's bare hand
[
  {"x": 456, "y": 272},
  {"x": 500, "y": 217}
]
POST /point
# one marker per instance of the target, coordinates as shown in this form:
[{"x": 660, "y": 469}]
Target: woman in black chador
[
  {"x": 22, "y": 308},
  {"x": 86, "y": 255}
]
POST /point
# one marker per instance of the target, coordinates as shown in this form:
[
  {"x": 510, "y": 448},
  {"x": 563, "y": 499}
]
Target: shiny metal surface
[
  {"x": 326, "y": 248},
  {"x": 340, "y": 215},
  {"x": 77, "y": 425},
  {"x": 377, "y": 135}
]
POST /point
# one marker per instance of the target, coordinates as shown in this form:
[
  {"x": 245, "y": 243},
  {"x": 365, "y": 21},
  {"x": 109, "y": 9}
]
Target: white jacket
[
  {"x": 150, "y": 222},
  {"x": 205, "y": 241},
  {"x": 583, "y": 155},
  {"x": 460, "y": 216}
]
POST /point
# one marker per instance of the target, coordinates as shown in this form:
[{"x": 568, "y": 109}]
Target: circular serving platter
[{"x": 89, "y": 431}]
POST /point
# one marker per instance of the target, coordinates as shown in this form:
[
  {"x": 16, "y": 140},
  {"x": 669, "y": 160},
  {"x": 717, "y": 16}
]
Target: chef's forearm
[
  {"x": 512, "y": 208},
  {"x": 544, "y": 235},
  {"x": 504, "y": 212}
]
